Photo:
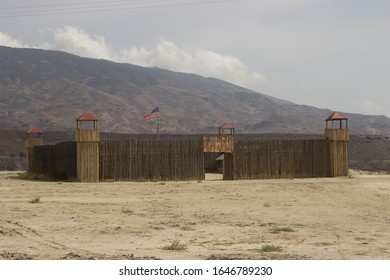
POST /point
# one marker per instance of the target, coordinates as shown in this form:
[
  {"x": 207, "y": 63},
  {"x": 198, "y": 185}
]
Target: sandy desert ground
[{"x": 331, "y": 218}]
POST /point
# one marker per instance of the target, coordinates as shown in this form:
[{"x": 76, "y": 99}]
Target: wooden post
[
  {"x": 228, "y": 166},
  {"x": 158, "y": 128}
]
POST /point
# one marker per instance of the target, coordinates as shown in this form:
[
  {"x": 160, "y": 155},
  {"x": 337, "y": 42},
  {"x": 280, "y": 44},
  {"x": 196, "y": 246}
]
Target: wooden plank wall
[
  {"x": 55, "y": 160},
  {"x": 228, "y": 166},
  {"x": 29, "y": 143},
  {"x": 266, "y": 159},
  {"x": 137, "y": 159},
  {"x": 337, "y": 134},
  {"x": 183, "y": 159}
]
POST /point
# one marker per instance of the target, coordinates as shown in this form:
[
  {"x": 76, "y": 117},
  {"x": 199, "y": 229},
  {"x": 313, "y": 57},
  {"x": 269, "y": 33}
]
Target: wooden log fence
[
  {"x": 151, "y": 160},
  {"x": 266, "y": 159},
  {"x": 184, "y": 159},
  {"x": 57, "y": 161}
]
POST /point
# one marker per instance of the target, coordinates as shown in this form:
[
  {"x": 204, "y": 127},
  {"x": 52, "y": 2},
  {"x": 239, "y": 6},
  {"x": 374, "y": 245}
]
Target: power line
[
  {"x": 71, "y": 7},
  {"x": 86, "y": 4},
  {"x": 100, "y": 6}
]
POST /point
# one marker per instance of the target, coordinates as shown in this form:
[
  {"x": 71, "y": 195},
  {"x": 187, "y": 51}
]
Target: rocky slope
[{"x": 51, "y": 89}]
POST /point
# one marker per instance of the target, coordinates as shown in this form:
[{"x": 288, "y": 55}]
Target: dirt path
[{"x": 332, "y": 218}]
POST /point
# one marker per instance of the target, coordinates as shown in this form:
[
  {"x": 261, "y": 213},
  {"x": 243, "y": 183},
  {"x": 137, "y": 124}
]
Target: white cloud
[
  {"x": 76, "y": 41},
  {"x": 6, "y": 40},
  {"x": 194, "y": 60}
]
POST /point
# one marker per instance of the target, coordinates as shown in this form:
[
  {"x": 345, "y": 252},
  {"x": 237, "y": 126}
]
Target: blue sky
[{"x": 325, "y": 53}]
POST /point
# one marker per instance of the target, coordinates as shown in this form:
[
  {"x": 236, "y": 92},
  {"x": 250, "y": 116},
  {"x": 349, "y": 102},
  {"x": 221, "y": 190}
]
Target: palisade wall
[
  {"x": 184, "y": 159},
  {"x": 151, "y": 159},
  {"x": 266, "y": 159},
  {"x": 55, "y": 160}
]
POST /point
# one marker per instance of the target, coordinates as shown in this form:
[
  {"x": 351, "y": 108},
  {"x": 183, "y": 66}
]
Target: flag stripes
[{"x": 154, "y": 114}]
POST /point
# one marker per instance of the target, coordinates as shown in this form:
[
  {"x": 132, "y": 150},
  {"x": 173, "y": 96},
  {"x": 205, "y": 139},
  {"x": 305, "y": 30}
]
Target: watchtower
[
  {"x": 87, "y": 139},
  {"x": 226, "y": 127},
  {"x": 34, "y": 137},
  {"x": 338, "y": 138}
]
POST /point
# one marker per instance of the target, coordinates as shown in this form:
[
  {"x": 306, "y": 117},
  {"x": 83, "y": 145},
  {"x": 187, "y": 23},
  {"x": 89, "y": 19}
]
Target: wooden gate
[{"x": 228, "y": 166}]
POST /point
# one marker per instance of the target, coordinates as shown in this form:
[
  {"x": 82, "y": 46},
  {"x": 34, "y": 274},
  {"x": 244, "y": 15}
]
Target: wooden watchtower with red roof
[
  {"x": 337, "y": 134},
  {"x": 87, "y": 139},
  {"x": 34, "y": 137},
  {"x": 226, "y": 127},
  {"x": 223, "y": 143}
]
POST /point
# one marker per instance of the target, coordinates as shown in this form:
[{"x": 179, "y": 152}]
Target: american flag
[{"x": 154, "y": 114}]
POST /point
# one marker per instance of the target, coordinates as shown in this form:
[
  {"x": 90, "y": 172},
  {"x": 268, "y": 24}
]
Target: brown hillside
[{"x": 51, "y": 89}]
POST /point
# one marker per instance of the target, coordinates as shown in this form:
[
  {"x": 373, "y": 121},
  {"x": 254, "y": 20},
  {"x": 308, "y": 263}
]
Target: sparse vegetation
[
  {"x": 270, "y": 248},
  {"x": 25, "y": 176},
  {"x": 281, "y": 229},
  {"x": 267, "y": 204},
  {"x": 127, "y": 211},
  {"x": 175, "y": 246},
  {"x": 36, "y": 199},
  {"x": 187, "y": 228}
]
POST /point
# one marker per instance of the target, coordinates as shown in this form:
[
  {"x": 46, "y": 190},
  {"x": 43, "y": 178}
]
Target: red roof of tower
[
  {"x": 336, "y": 117},
  {"x": 226, "y": 126},
  {"x": 87, "y": 116},
  {"x": 34, "y": 130}
]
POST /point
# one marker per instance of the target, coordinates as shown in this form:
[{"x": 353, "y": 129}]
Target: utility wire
[
  {"x": 77, "y": 7},
  {"x": 90, "y": 4},
  {"x": 92, "y": 7}
]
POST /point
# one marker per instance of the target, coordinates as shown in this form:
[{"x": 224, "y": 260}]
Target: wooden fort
[{"x": 89, "y": 159}]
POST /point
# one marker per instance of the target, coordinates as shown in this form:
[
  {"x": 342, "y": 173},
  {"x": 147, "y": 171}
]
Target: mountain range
[{"x": 50, "y": 89}]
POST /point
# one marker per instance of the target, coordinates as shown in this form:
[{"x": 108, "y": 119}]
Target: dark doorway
[{"x": 220, "y": 165}]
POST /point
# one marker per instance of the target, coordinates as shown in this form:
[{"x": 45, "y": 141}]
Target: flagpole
[{"x": 158, "y": 128}]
